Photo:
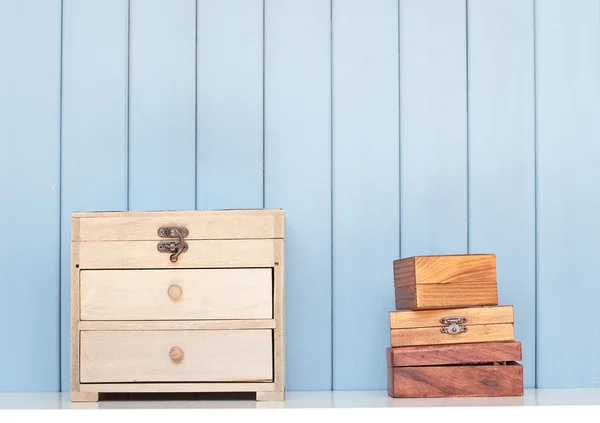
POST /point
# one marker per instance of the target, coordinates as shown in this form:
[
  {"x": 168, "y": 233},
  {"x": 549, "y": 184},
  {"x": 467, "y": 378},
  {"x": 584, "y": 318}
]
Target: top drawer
[
  {"x": 188, "y": 294},
  {"x": 200, "y": 225}
]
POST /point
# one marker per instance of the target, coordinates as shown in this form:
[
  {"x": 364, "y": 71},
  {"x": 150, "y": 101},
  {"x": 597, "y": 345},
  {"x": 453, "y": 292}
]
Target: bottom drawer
[
  {"x": 176, "y": 356},
  {"x": 456, "y": 381}
]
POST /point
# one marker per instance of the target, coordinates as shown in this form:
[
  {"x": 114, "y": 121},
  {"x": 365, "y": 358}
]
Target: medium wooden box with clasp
[
  {"x": 452, "y": 326},
  {"x": 181, "y": 301},
  {"x": 447, "y": 281}
]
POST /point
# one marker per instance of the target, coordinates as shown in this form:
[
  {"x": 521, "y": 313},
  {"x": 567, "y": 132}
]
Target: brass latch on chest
[
  {"x": 175, "y": 247},
  {"x": 453, "y": 325}
]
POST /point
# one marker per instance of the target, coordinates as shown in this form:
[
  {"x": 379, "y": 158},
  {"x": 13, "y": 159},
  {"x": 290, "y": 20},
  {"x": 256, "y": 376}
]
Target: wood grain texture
[
  {"x": 434, "y": 336},
  {"x": 30, "y": 189},
  {"x": 279, "y": 340},
  {"x": 204, "y": 294},
  {"x": 208, "y": 356},
  {"x": 436, "y": 355},
  {"x": 207, "y": 254},
  {"x": 456, "y": 381},
  {"x": 431, "y": 318},
  {"x": 406, "y": 297},
  {"x": 456, "y": 268},
  {"x": 74, "y": 303},
  {"x": 404, "y": 272},
  {"x": 202, "y": 224},
  {"x": 94, "y": 126},
  {"x": 444, "y": 269},
  {"x": 430, "y": 296}
]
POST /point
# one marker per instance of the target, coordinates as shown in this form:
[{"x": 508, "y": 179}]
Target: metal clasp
[
  {"x": 453, "y": 325},
  {"x": 175, "y": 247}
]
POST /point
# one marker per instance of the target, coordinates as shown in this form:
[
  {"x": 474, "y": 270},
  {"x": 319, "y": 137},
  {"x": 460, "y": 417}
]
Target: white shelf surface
[{"x": 307, "y": 400}]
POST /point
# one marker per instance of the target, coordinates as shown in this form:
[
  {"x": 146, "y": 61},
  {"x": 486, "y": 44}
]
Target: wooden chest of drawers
[{"x": 188, "y": 301}]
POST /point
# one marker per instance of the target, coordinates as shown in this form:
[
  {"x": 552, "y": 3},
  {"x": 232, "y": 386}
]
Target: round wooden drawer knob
[
  {"x": 176, "y": 354},
  {"x": 175, "y": 292}
]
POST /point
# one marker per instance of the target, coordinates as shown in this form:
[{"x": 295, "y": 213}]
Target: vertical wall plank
[
  {"x": 29, "y": 186},
  {"x": 162, "y": 164},
  {"x": 433, "y": 107},
  {"x": 365, "y": 188},
  {"x": 94, "y": 116},
  {"x": 230, "y": 104},
  {"x": 502, "y": 155},
  {"x": 298, "y": 177},
  {"x": 568, "y": 148}
]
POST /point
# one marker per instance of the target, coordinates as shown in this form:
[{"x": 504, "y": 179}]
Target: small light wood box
[
  {"x": 182, "y": 301},
  {"x": 446, "y": 281},
  {"x": 452, "y": 326},
  {"x": 462, "y": 370}
]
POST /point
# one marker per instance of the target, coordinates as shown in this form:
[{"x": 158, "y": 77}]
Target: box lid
[
  {"x": 442, "y": 269},
  {"x": 408, "y": 319},
  {"x": 199, "y": 224},
  {"x": 438, "y": 355}
]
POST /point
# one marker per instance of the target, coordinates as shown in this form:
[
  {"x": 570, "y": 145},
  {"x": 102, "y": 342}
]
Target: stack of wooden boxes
[{"x": 449, "y": 337}]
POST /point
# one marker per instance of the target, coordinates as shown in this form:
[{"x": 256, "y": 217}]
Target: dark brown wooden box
[
  {"x": 445, "y": 281},
  {"x": 461, "y": 370}
]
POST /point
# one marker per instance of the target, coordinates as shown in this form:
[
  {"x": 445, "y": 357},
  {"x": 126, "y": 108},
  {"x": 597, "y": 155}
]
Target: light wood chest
[{"x": 183, "y": 301}]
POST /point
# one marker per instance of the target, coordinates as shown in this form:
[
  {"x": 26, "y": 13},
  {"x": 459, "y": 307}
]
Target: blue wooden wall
[{"x": 383, "y": 128}]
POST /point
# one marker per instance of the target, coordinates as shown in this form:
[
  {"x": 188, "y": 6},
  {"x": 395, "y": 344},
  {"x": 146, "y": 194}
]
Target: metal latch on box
[
  {"x": 175, "y": 247},
  {"x": 453, "y": 325}
]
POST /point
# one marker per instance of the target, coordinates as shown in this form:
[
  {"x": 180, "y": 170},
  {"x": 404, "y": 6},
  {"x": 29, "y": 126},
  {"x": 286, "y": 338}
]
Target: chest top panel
[{"x": 195, "y": 225}]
